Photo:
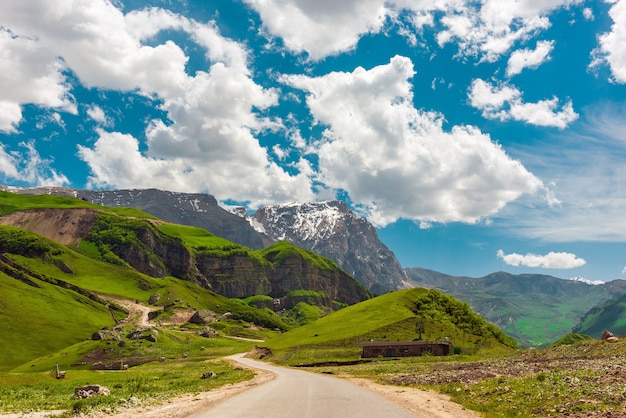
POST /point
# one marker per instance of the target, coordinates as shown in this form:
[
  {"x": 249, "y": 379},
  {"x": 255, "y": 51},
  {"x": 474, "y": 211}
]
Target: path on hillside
[
  {"x": 138, "y": 314},
  {"x": 297, "y": 393}
]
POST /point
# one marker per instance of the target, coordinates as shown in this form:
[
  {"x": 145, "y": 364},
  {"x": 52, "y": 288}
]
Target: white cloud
[
  {"x": 526, "y": 58},
  {"x": 588, "y": 13},
  {"x": 29, "y": 73},
  {"x": 28, "y": 167},
  {"x": 505, "y": 102},
  {"x": 397, "y": 161},
  {"x": 321, "y": 28},
  {"x": 96, "y": 113},
  {"x": 208, "y": 143},
  {"x": 552, "y": 260},
  {"x": 611, "y": 50}
]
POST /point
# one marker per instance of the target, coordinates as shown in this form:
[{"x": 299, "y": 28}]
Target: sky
[{"x": 477, "y": 136}]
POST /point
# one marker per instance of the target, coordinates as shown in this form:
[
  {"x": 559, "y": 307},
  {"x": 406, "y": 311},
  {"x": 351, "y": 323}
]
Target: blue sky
[{"x": 477, "y": 136}]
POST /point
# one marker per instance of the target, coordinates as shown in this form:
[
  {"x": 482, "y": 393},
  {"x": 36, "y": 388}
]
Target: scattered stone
[
  {"x": 151, "y": 338},
  {"x": 89, "y": 391},
  {"x": 207, "y": 375},
  {"x": 133, "y": 400},
  {"x": 208, "y": 332},
  {"x": 105, "y": 334},
  {"x": 121, "y": 344}
]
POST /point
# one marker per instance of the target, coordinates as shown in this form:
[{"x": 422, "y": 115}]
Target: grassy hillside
[
  {"x": 390, "y": 317},
  {"x": 609, "y": 316},
  {"x": 283, "y": 250},
  {"x": 45, "y": 304},
  {"x": 12, "y": 202},
  {"x": 40, "y": 318}
]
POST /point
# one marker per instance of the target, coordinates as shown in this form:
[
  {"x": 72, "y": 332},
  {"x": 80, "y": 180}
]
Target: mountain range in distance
[{"x": 533, "y": 309}]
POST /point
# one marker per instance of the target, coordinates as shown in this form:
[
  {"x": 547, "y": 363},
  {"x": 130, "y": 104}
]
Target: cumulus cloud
[
  {"x": 552, "y": 260},
  {"x": 398, "y": 161},
  {"x": 321, "y": 28},
  {"x": 29, "y": 73},
  {"x": 505, "y": 102},
  {"x": 527, "y": 58},
  {"x": 611, "y": 50},
  {"x": 209, "y": 141}
]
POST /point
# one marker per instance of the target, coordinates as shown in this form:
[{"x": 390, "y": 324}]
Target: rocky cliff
[
  {"x": 334, "y": 231},
  {"x": 233, "y": 272}
]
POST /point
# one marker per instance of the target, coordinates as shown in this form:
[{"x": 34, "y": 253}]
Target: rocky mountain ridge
[
  {"x": 232, "y": 271},
  {"x": 328, "y": 228}
]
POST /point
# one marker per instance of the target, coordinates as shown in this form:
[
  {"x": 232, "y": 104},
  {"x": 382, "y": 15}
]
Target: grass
[
  {"x": 12, "y": 202},
  {"x": 36, "y": 320},
  {"x": 149, "y": 383},
  {"x": 283, "y": 250},
  {"x": 390, "y": 317},
  {"x": 350, "y": 322}
]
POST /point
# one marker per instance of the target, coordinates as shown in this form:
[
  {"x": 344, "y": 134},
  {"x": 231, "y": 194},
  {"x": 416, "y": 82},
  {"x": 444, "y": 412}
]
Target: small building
[{"x": 405, "y": 348}]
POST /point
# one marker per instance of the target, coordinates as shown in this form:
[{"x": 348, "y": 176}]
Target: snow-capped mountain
[{"x": 334, "y": 231}]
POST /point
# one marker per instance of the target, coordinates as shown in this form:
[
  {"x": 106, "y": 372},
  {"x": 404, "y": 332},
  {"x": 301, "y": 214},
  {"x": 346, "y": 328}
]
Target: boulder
[
  {"x": 88, "y": 391},
  {"x": 608, "y": 336},
  {"x": 203, "y": 317},
  {"x": 154, "y": 299},
  {"x": 225, "y": 316}
]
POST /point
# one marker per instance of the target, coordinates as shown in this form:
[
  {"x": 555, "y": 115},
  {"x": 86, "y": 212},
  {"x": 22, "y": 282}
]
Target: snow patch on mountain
[{"x": 583, "y": 280}]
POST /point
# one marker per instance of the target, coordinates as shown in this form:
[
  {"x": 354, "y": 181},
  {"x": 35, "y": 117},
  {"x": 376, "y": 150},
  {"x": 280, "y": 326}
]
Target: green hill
[{"x": 390, "y": 317}]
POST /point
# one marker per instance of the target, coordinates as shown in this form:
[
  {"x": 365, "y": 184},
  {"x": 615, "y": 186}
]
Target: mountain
[
  {"x": 160, "y": 249},
  {"x": 607, "y": 316},
  {"x": 334, "y": 231},
  {"x": 534, "y": 309},
  {"x": 327, "y": 228},
  {"x": 195, "y": 209}
]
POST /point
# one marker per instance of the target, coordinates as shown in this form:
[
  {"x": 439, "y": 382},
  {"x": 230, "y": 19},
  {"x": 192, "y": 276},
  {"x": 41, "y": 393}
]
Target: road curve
[{"x": 297, "y": 393}]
